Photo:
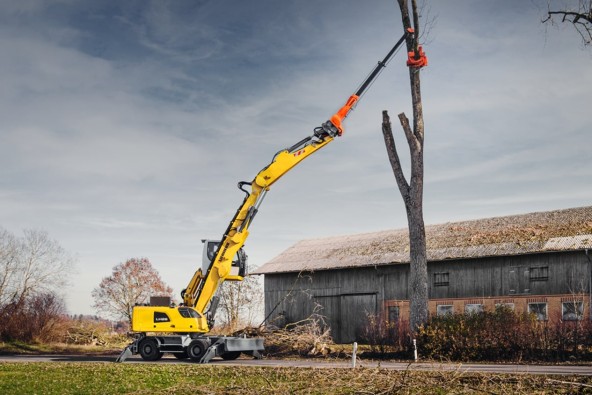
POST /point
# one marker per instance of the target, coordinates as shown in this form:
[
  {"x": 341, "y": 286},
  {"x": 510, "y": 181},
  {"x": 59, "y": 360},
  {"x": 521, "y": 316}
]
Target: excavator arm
[{"x": 203, "y": 286}]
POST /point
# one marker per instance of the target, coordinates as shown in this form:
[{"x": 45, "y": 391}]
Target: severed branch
[{"x": 393, "y": 156}]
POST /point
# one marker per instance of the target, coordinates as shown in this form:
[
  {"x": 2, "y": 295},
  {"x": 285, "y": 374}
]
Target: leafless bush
[
  {"x": 570, "y": 340},
  {"x": 385, "y": 337},
  {"x": 504, "y": 335},
  {"x": 39, "y": 318}
]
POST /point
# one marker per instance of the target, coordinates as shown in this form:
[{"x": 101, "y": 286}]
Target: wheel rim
[{"x": 196, "y": 350}]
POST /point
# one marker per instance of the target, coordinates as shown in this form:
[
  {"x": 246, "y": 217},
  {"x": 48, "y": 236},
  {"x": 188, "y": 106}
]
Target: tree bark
[{"x": 412, "y": 190}]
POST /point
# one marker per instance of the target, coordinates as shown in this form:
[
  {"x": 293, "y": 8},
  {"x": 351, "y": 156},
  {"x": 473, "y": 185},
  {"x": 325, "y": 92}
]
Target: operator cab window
[
  {"x": 186, "y": 312},
  {"x": 211, "y": 250}
]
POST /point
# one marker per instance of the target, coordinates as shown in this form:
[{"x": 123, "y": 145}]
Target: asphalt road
[{"x": 563, "y": 370}]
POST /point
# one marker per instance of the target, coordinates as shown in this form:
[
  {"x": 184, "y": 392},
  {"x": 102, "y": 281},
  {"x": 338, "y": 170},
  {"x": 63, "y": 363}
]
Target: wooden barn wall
[
  {"x": 502, "y": 276},
  {"x": 345, "y": 296}
]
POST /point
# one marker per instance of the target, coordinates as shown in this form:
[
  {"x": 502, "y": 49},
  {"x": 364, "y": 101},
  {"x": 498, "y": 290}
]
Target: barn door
[
  {"x": 518, "y": 280},
  {"x": 330, "y": 306},
  {"x": 354, "y": 312}
]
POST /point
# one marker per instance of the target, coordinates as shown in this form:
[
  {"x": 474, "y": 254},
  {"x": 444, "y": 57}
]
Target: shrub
[
  {"x": 385, "y": 338},
  {"x": 503, "y": 335},
  {"x": 38, "y": 318}
]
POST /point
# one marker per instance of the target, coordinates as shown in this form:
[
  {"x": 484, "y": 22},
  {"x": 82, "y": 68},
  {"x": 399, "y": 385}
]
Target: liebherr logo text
[{"x": 224, "y": 251}]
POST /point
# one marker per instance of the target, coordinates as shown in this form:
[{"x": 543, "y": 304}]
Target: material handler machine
[{"x": 183, "y": 330}]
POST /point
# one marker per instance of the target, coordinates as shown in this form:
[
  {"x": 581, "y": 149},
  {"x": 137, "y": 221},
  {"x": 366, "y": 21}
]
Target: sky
[{"x": 126, "y": 125}]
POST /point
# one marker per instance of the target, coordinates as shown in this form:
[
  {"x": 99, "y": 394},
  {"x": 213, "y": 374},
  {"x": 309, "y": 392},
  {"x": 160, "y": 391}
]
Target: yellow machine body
[{"x": 180, "y": 319}]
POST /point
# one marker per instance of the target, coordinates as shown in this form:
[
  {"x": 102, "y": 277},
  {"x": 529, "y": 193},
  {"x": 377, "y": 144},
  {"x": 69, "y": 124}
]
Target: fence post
[
  {"x": 415, "y": 350},
  {"x": 354, "y": 352}
]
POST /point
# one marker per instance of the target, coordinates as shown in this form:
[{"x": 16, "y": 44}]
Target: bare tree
[
  {"x": 241, "y": 302},
  {"x": 8, "y": 266},
  {"x": 580, "y": 16},
  {"x": 412, "y": 190},
  {"x": 33, "y": 270},
  {"x": 130, "y": 283},
  {"x": 31, "y": 265}
]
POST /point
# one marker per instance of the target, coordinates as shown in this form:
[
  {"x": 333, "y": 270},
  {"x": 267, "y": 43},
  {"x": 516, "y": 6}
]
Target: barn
[{"x": 539, "y": 262}]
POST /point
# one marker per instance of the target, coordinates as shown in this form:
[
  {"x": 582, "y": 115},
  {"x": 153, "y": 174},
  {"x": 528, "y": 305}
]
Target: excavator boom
[{"x": 203, "y": 286}]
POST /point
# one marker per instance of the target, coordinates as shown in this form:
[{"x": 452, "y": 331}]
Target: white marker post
[{"x": 355, "y": 350}]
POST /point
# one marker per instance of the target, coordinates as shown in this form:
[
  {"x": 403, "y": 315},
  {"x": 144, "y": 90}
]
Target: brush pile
[{"x": 310, "y": 337}]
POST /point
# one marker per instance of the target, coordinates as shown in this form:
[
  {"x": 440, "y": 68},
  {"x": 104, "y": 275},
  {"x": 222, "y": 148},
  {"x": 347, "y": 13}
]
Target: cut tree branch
[
  {"x": 411, "y": 138},
  {"x": 393, "y": 156}
]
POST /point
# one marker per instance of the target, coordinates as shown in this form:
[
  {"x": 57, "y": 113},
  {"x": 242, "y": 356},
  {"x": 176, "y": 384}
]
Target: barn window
[
  {"x": 444, "y": 309},
  {"x": 540, "y": 273},
  {"x": 393, "y": 313},
  {"x": 473, "y": 308},
  {"x": 441, "y": 279},
  {"x": 572, "y": 311},
  {"x": 538, "y": 309}
]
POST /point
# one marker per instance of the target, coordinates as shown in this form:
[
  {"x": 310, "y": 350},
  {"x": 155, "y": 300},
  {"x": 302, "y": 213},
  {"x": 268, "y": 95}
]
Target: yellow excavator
[{"x": 182, "y": 330}]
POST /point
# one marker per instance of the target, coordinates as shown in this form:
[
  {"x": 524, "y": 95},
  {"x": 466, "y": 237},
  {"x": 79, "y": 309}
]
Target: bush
[
  {"x": 39, "y": 318},
  {"x": 384, "y": 337},
  {"x": 503, "y": 335}
]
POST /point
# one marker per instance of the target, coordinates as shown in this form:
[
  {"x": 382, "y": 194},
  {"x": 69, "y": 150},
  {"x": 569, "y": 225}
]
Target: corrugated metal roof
[{"x": 560, "y": 230}]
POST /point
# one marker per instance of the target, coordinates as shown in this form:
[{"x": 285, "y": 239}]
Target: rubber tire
[
  {"x": 181, "y": 355},
  {"x": 230, "y": 355},
  {"x": 148, "y": 350},
  {"x": 196, "y": 350}
]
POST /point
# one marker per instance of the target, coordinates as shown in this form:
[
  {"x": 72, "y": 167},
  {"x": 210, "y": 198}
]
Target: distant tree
[
  {"x": 30, "y": 265},
  {"x": 33, "y": 270},
  {"x": 240, "y": 302},
  {"x": 580, "y": 16},
  {"x": 412, "y": 190},
  {"x": 130, "y": 283}
]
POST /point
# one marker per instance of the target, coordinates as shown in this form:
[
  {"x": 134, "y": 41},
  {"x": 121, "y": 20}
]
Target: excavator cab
[{"x": 239, "y": 262}]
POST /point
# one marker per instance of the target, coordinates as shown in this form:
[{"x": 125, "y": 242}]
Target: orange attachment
[
  {"x": 417, "y": 63},
  {"x": 340, "y": 115}
]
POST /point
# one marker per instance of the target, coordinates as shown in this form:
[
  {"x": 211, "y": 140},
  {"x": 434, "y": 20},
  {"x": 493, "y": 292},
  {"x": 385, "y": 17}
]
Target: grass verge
[{"x": 111, "y": 378}]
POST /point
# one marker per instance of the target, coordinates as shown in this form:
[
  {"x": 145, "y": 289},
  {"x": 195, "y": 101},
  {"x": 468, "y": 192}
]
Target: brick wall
[{"x": 520, "y": 304}]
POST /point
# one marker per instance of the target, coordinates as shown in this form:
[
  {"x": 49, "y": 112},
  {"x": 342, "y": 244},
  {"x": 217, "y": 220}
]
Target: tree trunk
[{"x": 412, "y": 191}]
